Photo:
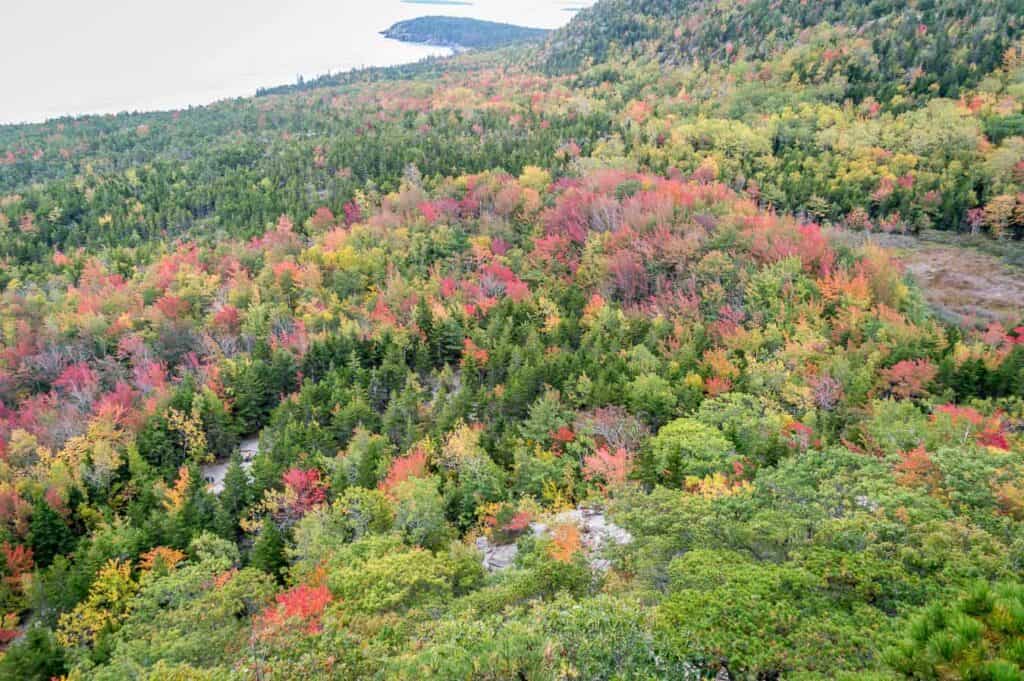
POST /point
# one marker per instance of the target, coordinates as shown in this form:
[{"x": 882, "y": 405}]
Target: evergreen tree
[
  {"x": 401, "y": 420},
  {"x": 49, "y": 535},
  {"x": 199, "y": 510},
  {"x": 268, "y": 551},
  {"x": 427, "y": 350},
  {"x": 35, "y": 658},
  {"x": 234, "y": 499},
  {"x": 159, "y": 446},
  {"x": 247, "y": 387},
  {"x": 218, "y": 425}
]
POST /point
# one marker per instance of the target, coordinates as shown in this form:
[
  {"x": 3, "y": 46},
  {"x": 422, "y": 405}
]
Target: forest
[
  {"x": 460, "y": 32},
  {"x": 582, "y": 359}
]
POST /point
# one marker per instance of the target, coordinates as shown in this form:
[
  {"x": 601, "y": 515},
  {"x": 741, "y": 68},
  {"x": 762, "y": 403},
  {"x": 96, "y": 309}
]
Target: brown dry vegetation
[{"x": 962, "y": 283}]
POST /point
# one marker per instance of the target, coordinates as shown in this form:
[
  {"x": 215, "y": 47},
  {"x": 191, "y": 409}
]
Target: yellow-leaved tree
[{"x": 103, "y": 610}]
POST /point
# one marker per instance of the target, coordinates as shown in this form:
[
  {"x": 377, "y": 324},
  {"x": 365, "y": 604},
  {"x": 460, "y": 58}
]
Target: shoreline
[{"x": 456, "y": 48}]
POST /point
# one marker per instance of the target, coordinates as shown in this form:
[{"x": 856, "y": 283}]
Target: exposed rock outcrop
[{"x": 596, "y": 533}]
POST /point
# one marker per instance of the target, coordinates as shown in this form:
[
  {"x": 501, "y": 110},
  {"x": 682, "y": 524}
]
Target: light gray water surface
[{"x": 60, "y": 57}]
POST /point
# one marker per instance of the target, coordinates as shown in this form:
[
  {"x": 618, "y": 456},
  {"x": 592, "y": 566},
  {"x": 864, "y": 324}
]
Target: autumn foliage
[
  {"x": 643, "y": 282},
  {"x": 305, "y": 489},
  {"x": 297, "y": 608},
  {"x": 412, "y": 465}
]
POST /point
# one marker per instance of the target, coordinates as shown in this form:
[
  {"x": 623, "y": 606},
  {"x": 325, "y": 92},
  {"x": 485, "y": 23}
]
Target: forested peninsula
[{"x": 462, "y": 33}]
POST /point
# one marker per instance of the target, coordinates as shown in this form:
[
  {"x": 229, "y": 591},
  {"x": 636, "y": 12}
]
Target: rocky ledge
[{"x": 596, "y": 532}]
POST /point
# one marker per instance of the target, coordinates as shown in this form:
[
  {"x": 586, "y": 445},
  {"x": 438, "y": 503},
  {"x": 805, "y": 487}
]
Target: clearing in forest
[{"x": 963, "y": 284}]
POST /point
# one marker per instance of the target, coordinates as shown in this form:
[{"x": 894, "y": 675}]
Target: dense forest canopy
[{"x": 571, "y": 361}]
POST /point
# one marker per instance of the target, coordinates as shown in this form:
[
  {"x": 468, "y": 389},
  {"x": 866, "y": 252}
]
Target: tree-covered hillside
[
  {"x": 462, "y": 32},
  {"x": 550, "y": 363},
  {"x": 884, "y": 47}
]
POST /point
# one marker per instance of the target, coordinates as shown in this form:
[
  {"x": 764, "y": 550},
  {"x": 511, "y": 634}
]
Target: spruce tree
[
  {"x": 35, "y": 658},
  {"x": 268, "y": 551},
  {"x": 199, "y": 510},
  {"x": 234, "y": 499},
  {"x": 49, "y": 535}
]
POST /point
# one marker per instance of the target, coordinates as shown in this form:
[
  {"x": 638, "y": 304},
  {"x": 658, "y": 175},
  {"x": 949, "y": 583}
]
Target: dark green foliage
[
  {"x": 364, "y": 463},
  {"x": 160, "y": 447},
  {"x": 718, "y": 608},
  {"x": 234, "y": 499},
  {"x": 752, "y": 425},
  {"x": 235, "y": 183},
  {"x": 901, "y": 37},
  {"x": 49, "y": 535},
  {"x": 35, "y": 658},
  {"x": 198, "y": 512},
  {"x": 977, "y": 637},
  {"x": 268, "y": 551},
  {"x": 998, "y": 128},
  {"x": 461, "y": 32}
]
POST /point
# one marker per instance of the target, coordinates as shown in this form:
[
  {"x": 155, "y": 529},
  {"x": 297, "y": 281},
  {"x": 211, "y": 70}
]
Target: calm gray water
[{"x": 61, "y": 57}]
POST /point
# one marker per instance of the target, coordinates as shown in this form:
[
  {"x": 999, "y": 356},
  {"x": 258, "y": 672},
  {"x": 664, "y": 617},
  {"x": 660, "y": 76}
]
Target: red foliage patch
[
  {"x": 413, "y": 465},
  {"x": 798, "y": 435},
  {"x": 227, "y": 319},
  {"x": 909, "y": 378},
  {"x": 14, "y": 511},
  {"x": 990, "y": 432},
  {"x": 172, "y": 307},
  {"x": 19, "y": 562},
  {"x": 79, "y": 382},
  {"x": 353, "y": 213},
  {"x": 470, "y": 349},
  {"x": 717, "y": 385},
  {"x": 606, "y": 468},
  {"x": 308, "y": 488},
  {"x": 916, "y": 469},
  {"x": 301, "y": 606}
]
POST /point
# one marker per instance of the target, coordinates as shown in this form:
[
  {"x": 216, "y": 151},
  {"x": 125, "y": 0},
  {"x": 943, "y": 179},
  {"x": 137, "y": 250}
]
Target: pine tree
[
  {"x": 199, "y": 510},
  {"x": 36, "y": 658},
  {"x": 268, "y": 551},
  {"x": 247, "y": 388},
  {"x": 49, "y": 535},
  {"x": 234, "y": 499},
  {"x": 400, "y": 421},
  {"x": 425, "y": 323},
  {"x": 225, "y": 525},
  {"x": 158, "y": 445}
]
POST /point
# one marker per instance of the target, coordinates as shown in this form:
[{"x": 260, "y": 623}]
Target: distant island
[{"x": 459, "y": 32}]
